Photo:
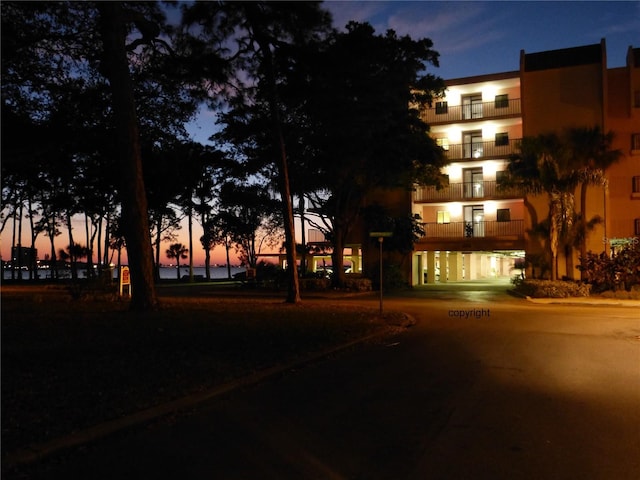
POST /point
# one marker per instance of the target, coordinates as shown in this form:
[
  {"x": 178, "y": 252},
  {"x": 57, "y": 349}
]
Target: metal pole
[{"x": 380, "y": 240}]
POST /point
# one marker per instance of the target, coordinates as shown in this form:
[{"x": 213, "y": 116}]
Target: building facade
[{"x": 473, "y": 230}]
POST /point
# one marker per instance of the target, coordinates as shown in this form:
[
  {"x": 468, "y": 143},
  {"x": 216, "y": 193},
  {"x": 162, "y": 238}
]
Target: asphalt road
[{"x": 484, "y": 386}]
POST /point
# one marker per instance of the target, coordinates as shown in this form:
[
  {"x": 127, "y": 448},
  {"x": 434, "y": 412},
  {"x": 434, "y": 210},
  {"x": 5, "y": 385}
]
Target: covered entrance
[{"x": 431, "y": 267}]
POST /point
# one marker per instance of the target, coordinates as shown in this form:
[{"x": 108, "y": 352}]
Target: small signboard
[
  {"x": 381, "y": 234},
  {"x": 125, "y": 281}
]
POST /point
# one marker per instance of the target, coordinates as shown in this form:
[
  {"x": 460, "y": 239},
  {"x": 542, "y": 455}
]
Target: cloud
[
  {"x": 455, "y": 27},
  {"x": 345, "y": 11}
]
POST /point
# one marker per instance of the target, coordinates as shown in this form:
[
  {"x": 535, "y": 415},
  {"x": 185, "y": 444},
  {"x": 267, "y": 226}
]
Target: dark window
[
  {"x": 502, "y": 101},
  {"x": 500, "y": 176},
  {"x": 503, "y": 214},
  {"x": 502, "y": 139},
  {"x": 636, "y": 98},
  {"x": 635, "y": 141},
  {"x": 637, "y": 226},
  {"x": 442, "y": 107},
  {"x": 635, "y": 184}
]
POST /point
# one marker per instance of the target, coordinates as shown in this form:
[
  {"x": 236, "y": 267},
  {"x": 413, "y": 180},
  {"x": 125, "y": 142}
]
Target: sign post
[
  {"x": 381, "y": 236},
  {"x": 125, "y": 281}
]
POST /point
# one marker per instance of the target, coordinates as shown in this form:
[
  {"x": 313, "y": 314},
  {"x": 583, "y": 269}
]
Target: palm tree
[
  {"x": 542, "y": 167},
  {"x": 177, "y": 251},
  {"x": 591, "y": 155}
]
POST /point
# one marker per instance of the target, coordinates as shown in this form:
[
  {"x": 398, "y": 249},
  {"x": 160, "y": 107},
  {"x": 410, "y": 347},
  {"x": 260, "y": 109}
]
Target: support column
[
  {"x": 356, "y": 260},
  {"x": 431, "y": 267},
  {"x": 455, "y": 266},
  {"x": 469, "y": 266}
]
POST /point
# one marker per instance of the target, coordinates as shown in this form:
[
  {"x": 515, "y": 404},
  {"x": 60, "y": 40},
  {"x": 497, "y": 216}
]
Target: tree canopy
[{"x": 306, "y": 111}]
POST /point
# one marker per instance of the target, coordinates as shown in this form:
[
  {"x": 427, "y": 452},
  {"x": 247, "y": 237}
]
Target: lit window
[
  {"x": 503, "y": 215},
  {"x": 442, "y": 107},
  {"x": 443, "y": 216},
  {"x": 502, "y": 139},
  {"x": 502, "y": 101},
  {"x": 443, "y": 142}
]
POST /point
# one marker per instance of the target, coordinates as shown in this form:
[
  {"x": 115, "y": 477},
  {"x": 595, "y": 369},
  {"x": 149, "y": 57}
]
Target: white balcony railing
[
  {"x": 486, "y": 189},
  {"x": 478, "y": 149},
  {"x": 474, "y": 229},
  {"x": 459, "y": 113}
]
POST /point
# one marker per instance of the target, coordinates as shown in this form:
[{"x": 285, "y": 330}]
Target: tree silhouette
[{"x": 177, "y": 251}]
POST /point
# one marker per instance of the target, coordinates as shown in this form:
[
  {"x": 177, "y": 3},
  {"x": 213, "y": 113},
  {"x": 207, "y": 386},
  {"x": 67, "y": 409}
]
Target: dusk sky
[{"x": 475, "y": 38}]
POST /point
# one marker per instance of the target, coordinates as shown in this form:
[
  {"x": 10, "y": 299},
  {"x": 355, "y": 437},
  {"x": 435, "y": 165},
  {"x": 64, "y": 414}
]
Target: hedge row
[{"x": 552, "y": 289}]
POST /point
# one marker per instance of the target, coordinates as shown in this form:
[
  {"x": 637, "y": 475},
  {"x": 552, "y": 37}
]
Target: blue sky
[{"x": 474, "y": 38}]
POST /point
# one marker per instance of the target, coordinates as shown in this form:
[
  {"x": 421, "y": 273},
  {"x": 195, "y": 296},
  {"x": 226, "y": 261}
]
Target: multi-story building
[{"x": 474, "y": 230}]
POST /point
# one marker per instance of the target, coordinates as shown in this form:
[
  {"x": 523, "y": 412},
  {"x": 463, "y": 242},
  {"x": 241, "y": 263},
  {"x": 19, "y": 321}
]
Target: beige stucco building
[{"x": 472, "y": 229}]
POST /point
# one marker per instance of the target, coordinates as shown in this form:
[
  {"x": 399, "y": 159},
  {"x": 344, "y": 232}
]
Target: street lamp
[{"x": 381, "y": 236}]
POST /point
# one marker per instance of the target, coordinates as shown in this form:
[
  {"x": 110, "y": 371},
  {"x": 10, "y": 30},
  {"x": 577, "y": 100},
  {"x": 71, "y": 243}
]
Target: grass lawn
[{"x": 69, "y": 365}]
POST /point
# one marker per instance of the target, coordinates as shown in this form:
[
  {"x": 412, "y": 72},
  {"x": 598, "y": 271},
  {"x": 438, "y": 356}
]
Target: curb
[
  {"x": 40, "y": 451},
  {"x": 585, "y": 301}
]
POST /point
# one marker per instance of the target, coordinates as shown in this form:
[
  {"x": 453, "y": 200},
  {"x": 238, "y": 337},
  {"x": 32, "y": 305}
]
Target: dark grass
[{"x": 69, "y": 365}]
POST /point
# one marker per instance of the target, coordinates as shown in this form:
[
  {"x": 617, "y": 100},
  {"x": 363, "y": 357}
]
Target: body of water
[{"x": 166, "y": 273}]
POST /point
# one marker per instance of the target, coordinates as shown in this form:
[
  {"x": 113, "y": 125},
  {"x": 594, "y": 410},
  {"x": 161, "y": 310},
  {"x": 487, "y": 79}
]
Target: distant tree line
[{"x": 96, "y": 96}]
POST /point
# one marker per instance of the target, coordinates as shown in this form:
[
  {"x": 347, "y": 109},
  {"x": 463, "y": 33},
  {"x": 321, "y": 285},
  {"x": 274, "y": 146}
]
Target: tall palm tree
[
  {"x": 542, "y": 167},
  {"x": 177, "y": 251},
  {"x": 591, "y": 155}
]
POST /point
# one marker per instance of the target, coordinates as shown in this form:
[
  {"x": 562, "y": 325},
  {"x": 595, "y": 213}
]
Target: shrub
[
  {"x": 358, "y": 284},
  {"x": 551, "y": 288},
  {"x": 314, "y": 284},
  {"x": 620, "y": 271}
]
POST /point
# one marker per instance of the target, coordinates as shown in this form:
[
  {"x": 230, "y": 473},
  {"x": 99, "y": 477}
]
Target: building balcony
[
  {"x": 468, "y": 236},
  {"x": 483, "y": 190},
  {"x": 473, "y": 229},
  {"x": 472, "y": 112},
  {"x": 478, "y": 149}
]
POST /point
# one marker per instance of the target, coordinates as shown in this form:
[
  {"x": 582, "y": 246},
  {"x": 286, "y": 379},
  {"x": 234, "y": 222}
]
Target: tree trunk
[
  {"x": 207, "y": 263},
  {"x": 33, "y": 268},
  {"x": 133, "y": 195},
  {"x": 227, "y": 247},
  {"x": 13, "y": 241},
  {"x": 72, "y": 257},
  {"x": 337, "y": 257},
  {"x": 303, "y": 261},
  {"x": 583, "y": 213},
  {"x": 156, "y": 265},
  {"x": 293, "y": 290},
  {"x": 190, "y": 215}
]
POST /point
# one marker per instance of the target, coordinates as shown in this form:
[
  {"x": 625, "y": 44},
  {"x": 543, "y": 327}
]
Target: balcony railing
[
  {"x": 479, "y": 149},
  {"x": 474, "y": 229},
  {"x": 486, "y": 189},
  {"x": 484, "y": 110}
]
